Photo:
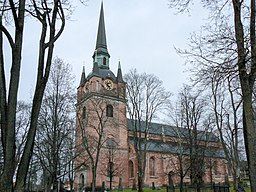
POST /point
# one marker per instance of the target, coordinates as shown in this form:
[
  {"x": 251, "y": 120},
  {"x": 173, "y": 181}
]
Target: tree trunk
[
  {"x": 250, "y": 141},
  {"x": 140, "y": 184},
  {"x": 93, "y": 178},
  {"x": 8, "y": 130},
  {"x": 247, "y": 83},
  {"x": 140, "y": 171}
]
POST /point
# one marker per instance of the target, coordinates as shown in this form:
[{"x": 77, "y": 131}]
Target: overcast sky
[{"x": 141, "y": 34}]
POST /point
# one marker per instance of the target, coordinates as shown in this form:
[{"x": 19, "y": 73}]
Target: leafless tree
[
  {"x": 146, "y": 98},
  {"x": 111, "y": 159},
  {"x": 92, "y": 131},
  {"x": 51, "y": 16},
  {"x": 228, "y": 120},
  {"x": 228, "y": 46},
  {"x": 55, "y": 134},
  {"x": 192, "y": 107}
]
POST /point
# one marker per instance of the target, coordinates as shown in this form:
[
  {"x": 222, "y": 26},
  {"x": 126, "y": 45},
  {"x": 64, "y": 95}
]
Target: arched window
[
  {"x": 81, "y": 181},
  {"x": 131, "y": 169},
  {"x": 111, "y": 143},
  {"x": 215, "y": 167},
  {"x": 97, "y": 85},
  {"x": 104, "y": 61},
  {"x": 109, "y": 111},
  {"x": 110, "y": 170},
  {"x": 84, "y": 113},
  {"x": 152, "y": 166}
]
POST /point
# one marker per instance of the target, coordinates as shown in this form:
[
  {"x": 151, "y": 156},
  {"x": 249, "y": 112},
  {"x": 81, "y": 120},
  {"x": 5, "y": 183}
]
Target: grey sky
[{"x": 142, "y": 34}]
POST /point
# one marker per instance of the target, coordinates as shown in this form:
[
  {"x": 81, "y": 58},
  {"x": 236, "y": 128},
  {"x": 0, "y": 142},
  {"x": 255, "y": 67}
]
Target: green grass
[{"x": 176, "y": 190}]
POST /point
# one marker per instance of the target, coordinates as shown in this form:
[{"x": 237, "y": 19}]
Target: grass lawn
[{"x": 176, "y": 190}]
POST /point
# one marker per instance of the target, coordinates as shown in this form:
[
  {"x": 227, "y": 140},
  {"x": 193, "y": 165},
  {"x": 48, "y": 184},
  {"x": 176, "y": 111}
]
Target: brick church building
[{"x": 103, "y": 131}]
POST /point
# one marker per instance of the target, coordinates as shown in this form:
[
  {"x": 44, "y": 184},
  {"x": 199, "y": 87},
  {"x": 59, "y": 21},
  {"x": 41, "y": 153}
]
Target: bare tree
[
  {"x": 228, "y": 46},
  {"x": 55, "y": 124},
  {"x": 192, "y": 107},
  {"x": 111, "y": 159},
  {"x": 93, "y": 122},
  {"x": 228, "y": 121},
  {"x": 146, "y": 97},
  {"x": 50, "y": 15}
]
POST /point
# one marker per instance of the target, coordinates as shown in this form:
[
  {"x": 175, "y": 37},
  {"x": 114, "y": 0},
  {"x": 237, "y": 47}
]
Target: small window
[
  {"x": 84, "y": 113},
  {"x": 109, "y": 111},
  {"x": 152, "y": 166},
  {"x": 104, "y": 61},
  {"x": 131, "y": 169},
  {"x": 97, "y": 85}
]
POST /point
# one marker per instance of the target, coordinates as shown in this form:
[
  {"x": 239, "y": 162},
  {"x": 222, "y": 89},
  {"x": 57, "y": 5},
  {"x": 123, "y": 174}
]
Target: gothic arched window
[
  {"x": 152, "y": 166},
  {"x": 81, "y": 181},
  {"x": 131, "y": 169},
  {"x": 84, "y": 113},
  {"x": 104, "y": 61},
  {"x": 215, "y": 167},
  {"x": 109, "y": 111},
  {"x": 110, "y": 169}
]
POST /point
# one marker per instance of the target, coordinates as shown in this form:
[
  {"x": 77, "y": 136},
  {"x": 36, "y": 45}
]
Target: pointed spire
[
  {"x": 83, "y": 76},
  {"x": 101, "y": 37},
  {"x": 119, "y": 73},
  {"x": 101, "y": 42}
]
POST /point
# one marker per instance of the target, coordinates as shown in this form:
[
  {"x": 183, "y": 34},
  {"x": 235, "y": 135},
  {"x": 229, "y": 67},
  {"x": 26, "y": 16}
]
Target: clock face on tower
[{"x": 108, "y": 84}]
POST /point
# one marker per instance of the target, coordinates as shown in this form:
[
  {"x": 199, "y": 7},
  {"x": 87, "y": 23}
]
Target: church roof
[
  {"x": 171, "y": 147},
  {"x": 104, "y": 73},
  {"x": 172, "y": 131}
]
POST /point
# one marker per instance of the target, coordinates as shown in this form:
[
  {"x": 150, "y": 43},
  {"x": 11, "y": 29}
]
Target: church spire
[
  {"x": 101, "y": 41},
  {"x": 101, "y": 54},
  {"x": 82, "y": 76},
  {"x": 119, "y": 73}
]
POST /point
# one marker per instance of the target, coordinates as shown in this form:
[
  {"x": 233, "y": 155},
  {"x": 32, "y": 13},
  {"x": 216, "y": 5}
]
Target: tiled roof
[
  {"x": 172, "y": 131},
  {"x": 175, "y": 148}
]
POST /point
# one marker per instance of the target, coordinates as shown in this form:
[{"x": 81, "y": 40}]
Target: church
[{"x": 104, "y": 134}]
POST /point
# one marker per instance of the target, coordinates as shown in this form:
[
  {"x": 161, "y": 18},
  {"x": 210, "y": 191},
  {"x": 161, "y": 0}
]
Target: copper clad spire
[{"x": 101, "y": 42}]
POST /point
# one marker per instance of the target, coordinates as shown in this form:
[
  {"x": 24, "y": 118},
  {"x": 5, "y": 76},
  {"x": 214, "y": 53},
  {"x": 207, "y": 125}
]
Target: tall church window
[
  {"x": 109, "y": 111},
  {"x": 110, "y": 169},
  {"x": 84, "y": 113},
  {"x": 104, "y": 61},
  {"x": 81, "y": 181},
  {"x": 152, "y": 166},
  {"x": 131, "y": 169},
  {"x": 215, "y": 167}
]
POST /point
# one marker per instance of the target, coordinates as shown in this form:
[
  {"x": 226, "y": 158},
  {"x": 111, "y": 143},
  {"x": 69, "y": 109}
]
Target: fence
[{"x": 214, "y": 187}]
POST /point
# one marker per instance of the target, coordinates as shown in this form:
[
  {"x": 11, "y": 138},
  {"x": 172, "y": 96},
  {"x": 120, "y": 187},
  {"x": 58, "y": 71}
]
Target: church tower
[{"x": 101, "y": 133}]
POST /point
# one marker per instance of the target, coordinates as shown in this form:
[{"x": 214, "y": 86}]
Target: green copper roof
[{"x": 101, "y": 42}]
